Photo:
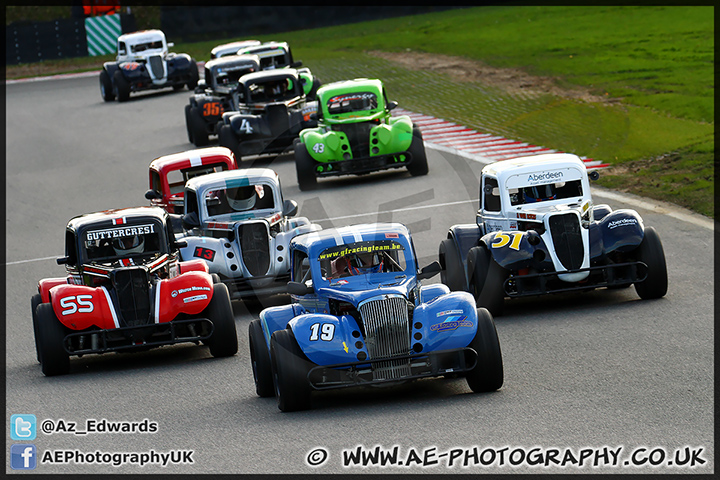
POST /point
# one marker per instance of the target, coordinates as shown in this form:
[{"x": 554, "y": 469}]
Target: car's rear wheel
[
  {"x": 34, "y": 302},
  {"x": 223, "y": 342},
  {"x": 453, "y": 271},
  {"x": 121, "y": 87},
  {"x": 418, "y": 165},
  {"x": 198, "y": 128},
  {"x": 487, "y": 375},
  {"x": 260, "y": 359},
  {"x": 304, "y": 167},
  {"x": 194, "y": 75},
  {"x": 227, "y": 138},
  {"x": 290, "y": 367},
  {"x": 651, "y": 253},
  {"x": 486, "y": 280},
  {"x": 54, "y": 360},
  {"x": 106, "y": 88}
]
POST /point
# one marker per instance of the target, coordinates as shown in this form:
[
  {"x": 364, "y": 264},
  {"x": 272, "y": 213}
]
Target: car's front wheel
[
  {"x": 106, "y": 88},
  {"x": 260, "y": 359},
  {"x": 487, "y": 375},
  {"x": 290, "y": 367},
  {"x": 487, "y": 280},
  {"x": 122, "y": 87},
  {"x": 34, "y": 302},
  {"x": 304, "y": 167},
  {"x": 651, "y": 253},
  {"x": 227, "y": 138},
  {"x": 54, "y": 360},
  {"x": 223, "y": 342}
]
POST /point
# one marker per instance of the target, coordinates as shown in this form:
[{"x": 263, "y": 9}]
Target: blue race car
[{"x": 359, "y": 316}]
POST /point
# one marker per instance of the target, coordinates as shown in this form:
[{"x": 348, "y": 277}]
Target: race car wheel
[
  {"x": 227, "y": 138},
  {"x": 34, "y": 302},
  {"x": 194, "y": 75},
  {"x": 651, "y": 253},
  {"x": 486, "y": 280},
  {"x": 418, "y": 165},
  {"x": 106, "y": 88},
  {"x": 260, "y": 359},
  {"x": 198, "y": 130},
  {"x": 290, "y": 367},
  {"x": 453, "y": 271},
  {"x": 223, "y": 342},
  {"x": 487, "y": 375},
  {"x": 187, "y": 124},
  {"x": 304, "y": 167},
  {"x": 122, "y": 87},
  {"x": 54, "y": 360}
]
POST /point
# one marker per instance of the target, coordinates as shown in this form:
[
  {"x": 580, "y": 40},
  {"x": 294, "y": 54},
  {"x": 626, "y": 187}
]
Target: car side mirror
[
  {"x": 392, "y": 105},
  {"x": 429, "y": 271},
  {"x": 296, "y": 64},
  {"x": 153, "y": 195},
  {"x": 180, "y": 243},
  {"x": 290, "y": 208},
  {"x": 190, "y": 221},
  {"x": 62, "y": 260},
  {"x": 297, "y": 288},
  {"x": 171, "y": 44},
  {"x": 594, "y": 175}
]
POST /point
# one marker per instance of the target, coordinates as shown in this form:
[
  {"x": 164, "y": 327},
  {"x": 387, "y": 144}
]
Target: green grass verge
[{"x": 657, "y": 61}]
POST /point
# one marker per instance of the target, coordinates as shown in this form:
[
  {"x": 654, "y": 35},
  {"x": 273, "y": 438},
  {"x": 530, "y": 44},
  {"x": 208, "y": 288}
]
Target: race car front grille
[
  {"x": 358, "y": 135},
  {"x": 565, "y": 231},
  {"x": 387, "y": 334},
  {"x": 156, "y": 66},
  {"x": 255, "y": 245},
  {"x": 132, "y": 288}
]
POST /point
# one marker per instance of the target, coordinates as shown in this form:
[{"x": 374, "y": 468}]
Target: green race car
[{"x": 356, "y": 134}]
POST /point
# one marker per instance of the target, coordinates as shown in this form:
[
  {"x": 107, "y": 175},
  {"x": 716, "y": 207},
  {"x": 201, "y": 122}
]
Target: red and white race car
[
  {"x": 169, "y": 173},
  {"x": 126, "y": 290}
]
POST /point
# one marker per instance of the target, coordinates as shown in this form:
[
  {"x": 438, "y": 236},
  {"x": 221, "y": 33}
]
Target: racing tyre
[
  {"x": 187, "y": 123},
  {"x": 304, "y": 167},
  {"x": 223, "y": 342},
  {"x": 290, "y": 367},
  {"x": 453, "y": 271},
  {"x": 418, "y": 164},
  {"x": 194, "y": 75},
  {"x": 260, "y": 359},
  {"x": 651, "y": 253},
  {"x": 51, "y": 336},
  {"x": 106, "y": 88},
  {"x": 486, "y": 280},
  {"x": 227, "y": 138},
  {"x": 122, "y": 87},
  {"x": 198, "y": 128},
  {"x": 34, "y": 302},
  {"x": 487, "y": 375}
]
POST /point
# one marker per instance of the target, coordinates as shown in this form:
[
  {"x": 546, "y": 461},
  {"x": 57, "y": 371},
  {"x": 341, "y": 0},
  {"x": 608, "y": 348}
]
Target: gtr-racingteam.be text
[{"x": 686, "y": 457}]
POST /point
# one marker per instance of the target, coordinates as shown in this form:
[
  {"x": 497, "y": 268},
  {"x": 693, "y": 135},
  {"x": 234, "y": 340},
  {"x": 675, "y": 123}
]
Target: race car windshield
[
  {"x": 352, "y": 102},
  {"x": 231, "y": 76},
  {"x": 542, "y": 193},
  {"x": 141, "y": 47},
  {"x": 125, "y": 241},
  {"x": 362, "y": 258},
  {"x": 246, "y": 198},
  {"x": 272, "y": 91}
]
